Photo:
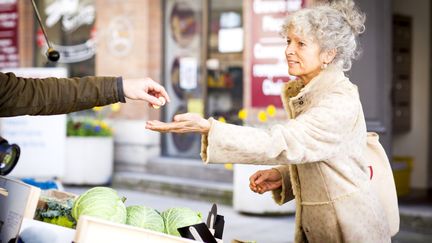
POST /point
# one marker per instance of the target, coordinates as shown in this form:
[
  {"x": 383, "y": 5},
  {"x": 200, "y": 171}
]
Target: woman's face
[{"x": 303, "y": 57}]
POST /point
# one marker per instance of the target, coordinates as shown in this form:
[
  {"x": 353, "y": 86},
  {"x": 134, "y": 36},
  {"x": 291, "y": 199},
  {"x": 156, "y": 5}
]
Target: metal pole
[{"x": 40, "y": 23}]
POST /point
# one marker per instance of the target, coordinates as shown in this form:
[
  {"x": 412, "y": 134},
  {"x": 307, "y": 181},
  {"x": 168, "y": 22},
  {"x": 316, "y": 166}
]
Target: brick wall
[
  {"x": 129, "y": 45},
  {"x": 26, "y": 39}
]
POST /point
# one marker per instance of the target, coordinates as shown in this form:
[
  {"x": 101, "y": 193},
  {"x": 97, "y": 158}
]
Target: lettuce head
[
  {"x": 175, "y": 218},
  {"x": 145, "y": 217},
  {"x": 100, "y": 202}
]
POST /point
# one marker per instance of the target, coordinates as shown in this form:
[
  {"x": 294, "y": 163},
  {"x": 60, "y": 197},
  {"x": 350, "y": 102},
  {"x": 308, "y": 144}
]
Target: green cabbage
[
  {"x": 100, "y": 202},
  {"x": 145, "y": 217},
  {"x": 175, "y": 218}
]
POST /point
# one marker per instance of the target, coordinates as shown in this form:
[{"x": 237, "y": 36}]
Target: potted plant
[{"x": 89, "y": 149}]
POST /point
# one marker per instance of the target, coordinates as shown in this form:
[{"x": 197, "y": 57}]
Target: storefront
[{"x": 223, "y": 59}]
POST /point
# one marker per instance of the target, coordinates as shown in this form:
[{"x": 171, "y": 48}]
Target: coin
[{"x": 162, "y": 99}]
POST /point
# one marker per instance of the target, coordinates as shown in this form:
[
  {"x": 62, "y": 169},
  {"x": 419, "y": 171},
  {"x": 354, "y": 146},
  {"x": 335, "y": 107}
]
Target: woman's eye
[
  {"x": 302, "y": 43},
  {"x": 288, "y": 42}
]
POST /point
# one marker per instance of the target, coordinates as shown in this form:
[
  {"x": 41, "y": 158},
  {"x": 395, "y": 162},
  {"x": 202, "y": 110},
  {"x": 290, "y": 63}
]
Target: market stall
[{"x": 97, "y": 215}]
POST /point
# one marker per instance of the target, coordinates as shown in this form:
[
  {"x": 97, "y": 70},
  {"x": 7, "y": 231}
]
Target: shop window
[
  {"x": 225, "y": 61},
  {"x": 183, "y": 74}
]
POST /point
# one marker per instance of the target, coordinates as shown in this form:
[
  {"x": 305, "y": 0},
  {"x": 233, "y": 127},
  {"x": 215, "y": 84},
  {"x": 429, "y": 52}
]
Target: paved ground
[{"x": 275, "y": 229}]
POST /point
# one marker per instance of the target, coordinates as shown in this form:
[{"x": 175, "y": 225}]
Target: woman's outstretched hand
[
  {"x": 265, "y": 180},
  {"x": 183, "y": 123}
]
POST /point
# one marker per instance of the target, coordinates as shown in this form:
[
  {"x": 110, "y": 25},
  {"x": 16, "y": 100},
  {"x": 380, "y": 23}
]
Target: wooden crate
[{"x": 90, "y": 230}]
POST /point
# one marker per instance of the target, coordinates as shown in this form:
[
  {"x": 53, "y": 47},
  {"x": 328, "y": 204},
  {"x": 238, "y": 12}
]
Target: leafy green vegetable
[
  {"x": 145, "y": 217},
  {"x": 57, "y": 212},
  {"x": 100, "y": 202},
  {"x": 64, "y": 221},
  {"x": 175, "y": 218}
]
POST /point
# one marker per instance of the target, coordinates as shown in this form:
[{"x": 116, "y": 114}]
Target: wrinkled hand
[
  {"x": 265, "y": 180},
  {"x": 183, "y": 123},
  {"x": 145, "y": 89}
]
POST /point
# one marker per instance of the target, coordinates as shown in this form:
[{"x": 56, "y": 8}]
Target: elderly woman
[{"x": 320, "y": 147}]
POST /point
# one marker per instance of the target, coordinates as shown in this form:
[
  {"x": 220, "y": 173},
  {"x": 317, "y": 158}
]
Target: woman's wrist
[
  {"x": 205, "y": 127},
  {"x": 279, "y": 174}
]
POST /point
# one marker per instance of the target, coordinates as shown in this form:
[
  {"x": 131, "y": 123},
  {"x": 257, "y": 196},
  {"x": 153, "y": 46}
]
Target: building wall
[
  {"x": 129, "y": 45},
  {"x": 415, "y": 142},
  {"x": 26, "y": 38}
]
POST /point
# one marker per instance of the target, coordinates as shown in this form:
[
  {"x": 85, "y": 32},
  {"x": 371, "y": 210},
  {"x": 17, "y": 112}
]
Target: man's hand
[
  {"x": 145, "y": 89},
  {"x": 265, "y": 180}
]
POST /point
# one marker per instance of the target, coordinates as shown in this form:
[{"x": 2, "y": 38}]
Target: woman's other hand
[
  {"x": 265, "y": 180},
  {"x": 145, "y": 89},
  {"x": 183, "y": 123}
]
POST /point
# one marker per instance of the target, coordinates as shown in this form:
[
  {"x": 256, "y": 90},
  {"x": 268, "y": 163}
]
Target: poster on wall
[
  {"x": 269, "y": 69},
  {"x": 182, "y": 70},
  {"x": 9, "y": 55}
]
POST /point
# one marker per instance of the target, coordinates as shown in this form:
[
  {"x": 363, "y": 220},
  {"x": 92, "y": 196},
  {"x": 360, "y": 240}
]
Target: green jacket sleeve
[{"x": 50, "y": 96}]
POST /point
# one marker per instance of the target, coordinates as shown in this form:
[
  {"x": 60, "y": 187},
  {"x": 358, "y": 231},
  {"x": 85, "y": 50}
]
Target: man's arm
[{"x": 49, "y": 96}]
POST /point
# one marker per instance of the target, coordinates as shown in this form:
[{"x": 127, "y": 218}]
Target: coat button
[{"x": 301, "y": 102}]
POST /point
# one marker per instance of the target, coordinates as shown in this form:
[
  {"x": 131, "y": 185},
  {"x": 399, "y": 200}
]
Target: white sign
[
  {"x": 230, "y": 40},
  {"x": 272, "y": 88},
  {"x": 71, "y": 12},
  {"x": 277, "y": 6},
  {"x": 188, "y": 73},
  {"x": 120, "y": 36},
  {"x": 74, "y": 53},
  {"x": 42, "y": 139}
]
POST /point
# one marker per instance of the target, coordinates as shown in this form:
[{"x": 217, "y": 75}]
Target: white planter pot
[
  {"x": 243, "y": 196},
  {"x": 133, "y": 144},
  {"x": 89, "y": 160}
]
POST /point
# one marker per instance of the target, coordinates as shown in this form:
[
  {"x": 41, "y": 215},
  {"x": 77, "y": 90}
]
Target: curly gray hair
[{"x": 335, "y": 26}]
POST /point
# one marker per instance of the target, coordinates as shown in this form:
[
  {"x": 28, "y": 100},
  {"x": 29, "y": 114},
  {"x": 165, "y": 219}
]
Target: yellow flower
[
  {"x": 271, "y": 110},
  {"x": 228, "y": 166},
  {"x": 222, "y": 119},
  {"x": 104, "y": 125},
  {"x": 242, "y": 114},
  {"x": 262, "y": 116},
  {"x": 115, "y": 107},
  {"x": 97, "y": 108}
]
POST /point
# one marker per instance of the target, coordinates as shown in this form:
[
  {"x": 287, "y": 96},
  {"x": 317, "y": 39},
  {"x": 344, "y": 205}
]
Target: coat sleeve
[
  {"x": 315, "y": 135},
  {"x": 285, "y": 192},
  {"x": 49, "y": 96}
]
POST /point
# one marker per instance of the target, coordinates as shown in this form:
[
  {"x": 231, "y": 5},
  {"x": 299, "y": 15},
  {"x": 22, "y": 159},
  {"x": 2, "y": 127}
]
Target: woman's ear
[{"x": 328, "y": 56}]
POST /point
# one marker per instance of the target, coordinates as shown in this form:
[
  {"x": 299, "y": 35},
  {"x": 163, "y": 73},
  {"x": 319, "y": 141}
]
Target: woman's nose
[{"x": 289, "y": 50}]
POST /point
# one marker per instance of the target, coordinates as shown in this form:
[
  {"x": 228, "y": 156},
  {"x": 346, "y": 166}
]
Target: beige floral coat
[{"x": 320, "y": 149}]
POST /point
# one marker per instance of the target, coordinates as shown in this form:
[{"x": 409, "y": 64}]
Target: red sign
[
  {"x": 269, "y": 69},
  {"x": 9, "y": 34}
]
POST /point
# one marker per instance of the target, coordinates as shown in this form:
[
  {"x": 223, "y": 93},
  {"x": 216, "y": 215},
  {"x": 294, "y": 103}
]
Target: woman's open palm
[{"x": 183, "y": 123}]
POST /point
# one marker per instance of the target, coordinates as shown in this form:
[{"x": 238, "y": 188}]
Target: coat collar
[{"x": 296, "y": 89}]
